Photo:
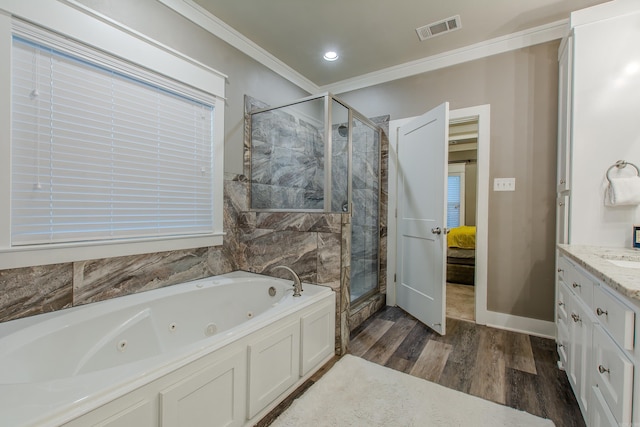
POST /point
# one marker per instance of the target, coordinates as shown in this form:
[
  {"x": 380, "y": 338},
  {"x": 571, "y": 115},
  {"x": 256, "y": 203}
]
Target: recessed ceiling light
[{"x": 330, "y": 56}]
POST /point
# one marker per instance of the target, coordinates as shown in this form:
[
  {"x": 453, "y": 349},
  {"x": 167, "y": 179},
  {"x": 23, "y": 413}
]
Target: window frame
[
  {"x": 98, "y": 32},
  {"x": 458, "y": 169}
]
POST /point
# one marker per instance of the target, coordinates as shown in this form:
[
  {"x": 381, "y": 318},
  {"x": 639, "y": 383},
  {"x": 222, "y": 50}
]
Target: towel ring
[{"x": 621, "y": 164}]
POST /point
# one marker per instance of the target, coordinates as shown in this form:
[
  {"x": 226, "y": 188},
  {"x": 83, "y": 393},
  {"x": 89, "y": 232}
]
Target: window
[
  {"x": 105, "y": 154},
  {"x": 455, "y": 196}
]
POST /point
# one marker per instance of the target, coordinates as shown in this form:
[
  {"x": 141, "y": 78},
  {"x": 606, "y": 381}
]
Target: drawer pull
[
  {"x": 562, "y": 181},
  {"x": 602, "y": 369},
  {"x": 600, "y": 312},
  {"x": 560, "y": 345},
  {"x": 575, "y": 317},
  {"x": 560, "y": 270},
  {"x": 560, "y": 304},
  {"x": 576, "y": 285}
]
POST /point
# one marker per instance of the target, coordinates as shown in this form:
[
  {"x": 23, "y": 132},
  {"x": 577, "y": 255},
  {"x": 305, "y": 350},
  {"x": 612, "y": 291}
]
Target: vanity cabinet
[
  {"x": 598, "y": 100},
  {"x": 596, "y": 345},
  {"x": 598, "y": 97}
]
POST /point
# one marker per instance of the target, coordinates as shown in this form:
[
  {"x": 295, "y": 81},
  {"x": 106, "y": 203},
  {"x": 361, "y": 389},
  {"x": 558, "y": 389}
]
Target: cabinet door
[
  {"x": 210, "y": 397},
  {"x": 317, "y": 334},
  {"x": 562, "y": 218},
  {"x": 565, "y": 79},
  {"x": 119, "y": 413},
  {"x": 613, "y": 375},
  {"x": 580, "y": 348},
  {"x": 274, "y": 366},
  {"x": 600, "y": 415}
]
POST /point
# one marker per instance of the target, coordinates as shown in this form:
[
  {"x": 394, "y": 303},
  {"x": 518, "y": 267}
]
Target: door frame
[{"x": 483, "y": 112}]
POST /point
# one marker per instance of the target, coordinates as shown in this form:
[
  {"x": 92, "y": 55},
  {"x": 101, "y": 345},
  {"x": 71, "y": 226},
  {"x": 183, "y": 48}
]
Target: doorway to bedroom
[
  {"x": 461, "y": 218},
  {"x": 481, "y": 114}
]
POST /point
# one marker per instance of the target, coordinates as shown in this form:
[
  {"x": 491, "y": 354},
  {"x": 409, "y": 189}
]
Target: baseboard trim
[{"x": 526, "y": 325}]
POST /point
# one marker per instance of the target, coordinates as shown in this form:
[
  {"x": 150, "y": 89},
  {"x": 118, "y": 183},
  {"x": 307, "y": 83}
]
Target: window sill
[{"x": 28, "y": 256}]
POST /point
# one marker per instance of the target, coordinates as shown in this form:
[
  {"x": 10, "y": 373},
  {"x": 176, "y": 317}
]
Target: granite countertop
[{"x": 596, "y": 260}]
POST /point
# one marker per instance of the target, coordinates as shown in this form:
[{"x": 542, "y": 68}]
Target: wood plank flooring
[
  {"x": 461, "y": 301},
  {"x": 513, "y": 369}
]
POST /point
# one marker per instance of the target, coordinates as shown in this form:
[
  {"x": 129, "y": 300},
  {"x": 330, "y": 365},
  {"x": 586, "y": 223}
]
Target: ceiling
[{"x": 372, "y": 36}]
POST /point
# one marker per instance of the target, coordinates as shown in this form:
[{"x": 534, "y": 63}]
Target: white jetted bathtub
[{"x": 217, "y": 351}]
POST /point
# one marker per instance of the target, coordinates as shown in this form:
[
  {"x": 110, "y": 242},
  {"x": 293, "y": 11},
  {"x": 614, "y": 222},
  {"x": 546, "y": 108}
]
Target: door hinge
[
  {"x": 394, "y": 278},
  {"x": 396, "y": 212}
]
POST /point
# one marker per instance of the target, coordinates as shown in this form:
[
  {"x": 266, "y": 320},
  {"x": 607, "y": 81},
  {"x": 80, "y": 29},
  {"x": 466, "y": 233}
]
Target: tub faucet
[{"x": 297, "y": 284}]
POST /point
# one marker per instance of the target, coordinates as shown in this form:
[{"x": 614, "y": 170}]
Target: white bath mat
[{"x": 356, "y": 392}]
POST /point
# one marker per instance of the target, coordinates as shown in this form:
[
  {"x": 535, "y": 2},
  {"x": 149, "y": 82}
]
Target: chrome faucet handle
[{"x": 297, "y": 283}]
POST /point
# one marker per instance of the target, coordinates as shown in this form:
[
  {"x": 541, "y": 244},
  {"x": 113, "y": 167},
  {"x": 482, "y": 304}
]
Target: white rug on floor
[{"x": 356, "y": 392}]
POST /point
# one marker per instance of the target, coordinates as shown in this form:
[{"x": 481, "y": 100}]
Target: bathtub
[{"x": 229, "y": 346}]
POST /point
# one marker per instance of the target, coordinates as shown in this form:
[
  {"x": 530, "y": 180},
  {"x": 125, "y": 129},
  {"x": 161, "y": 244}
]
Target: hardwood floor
[
  {"x": 461, "y": 301},
  {"x": 513, "y": 369}
]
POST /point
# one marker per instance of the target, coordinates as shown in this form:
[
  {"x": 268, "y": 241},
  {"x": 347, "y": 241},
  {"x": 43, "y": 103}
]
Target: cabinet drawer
[
  {"x": 564, "y": 298},
  {"x": 615, "y": 317},
  {"x": 563, "y": 268},
  {"x": 581, "y": 284},
  {"x": 612, "y": 373}
]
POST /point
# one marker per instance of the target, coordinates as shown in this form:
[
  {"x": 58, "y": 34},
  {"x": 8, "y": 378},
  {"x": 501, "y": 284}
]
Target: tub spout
[{"x": 297, "y": 284}]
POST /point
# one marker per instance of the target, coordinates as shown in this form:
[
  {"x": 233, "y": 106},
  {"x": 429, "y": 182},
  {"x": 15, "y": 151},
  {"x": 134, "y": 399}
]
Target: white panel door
[{"x": 422, "y": 194}]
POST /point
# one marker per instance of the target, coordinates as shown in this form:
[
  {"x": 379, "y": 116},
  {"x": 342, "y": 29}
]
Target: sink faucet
[{"x": 297, "y": 284}]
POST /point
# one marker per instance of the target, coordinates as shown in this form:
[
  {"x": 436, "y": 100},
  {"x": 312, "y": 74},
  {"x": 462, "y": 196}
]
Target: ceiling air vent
[{"x": 438, "y": 28}]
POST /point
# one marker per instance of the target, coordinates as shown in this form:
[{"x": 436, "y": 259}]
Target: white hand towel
[{"x": 623, "y": 191}]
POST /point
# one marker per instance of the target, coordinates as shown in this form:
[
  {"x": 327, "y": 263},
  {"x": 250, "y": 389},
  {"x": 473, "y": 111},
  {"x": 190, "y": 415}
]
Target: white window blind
[
  {"x": 101, "y": 154},
  {"x": 453, "y": 201}
]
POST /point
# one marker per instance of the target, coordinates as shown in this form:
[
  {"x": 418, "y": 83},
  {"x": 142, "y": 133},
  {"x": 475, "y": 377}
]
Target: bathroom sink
[{"x": 624, "y": 263}]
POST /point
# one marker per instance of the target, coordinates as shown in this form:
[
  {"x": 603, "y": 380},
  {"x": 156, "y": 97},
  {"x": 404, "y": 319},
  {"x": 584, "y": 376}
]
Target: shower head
[{"x": 343, "y": 130}]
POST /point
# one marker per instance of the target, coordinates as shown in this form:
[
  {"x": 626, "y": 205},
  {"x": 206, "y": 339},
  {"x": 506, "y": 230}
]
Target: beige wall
[
  {"x": 246, "y": 76},
  {"x": 521, "y": 87}
]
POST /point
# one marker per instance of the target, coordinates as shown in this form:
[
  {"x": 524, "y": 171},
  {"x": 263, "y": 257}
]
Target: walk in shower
[{"x": 318, "y": 154}]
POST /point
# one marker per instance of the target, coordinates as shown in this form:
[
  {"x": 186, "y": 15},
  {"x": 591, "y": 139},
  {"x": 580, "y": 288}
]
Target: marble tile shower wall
[{"x": 287, "y": 162}]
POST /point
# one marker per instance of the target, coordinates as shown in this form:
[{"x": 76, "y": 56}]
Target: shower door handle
[{"x": 436, "y": 230}]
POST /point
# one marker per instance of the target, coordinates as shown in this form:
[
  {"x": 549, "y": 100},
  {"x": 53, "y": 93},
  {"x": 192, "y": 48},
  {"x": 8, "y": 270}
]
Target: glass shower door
[{"x": 365, "y": 198}]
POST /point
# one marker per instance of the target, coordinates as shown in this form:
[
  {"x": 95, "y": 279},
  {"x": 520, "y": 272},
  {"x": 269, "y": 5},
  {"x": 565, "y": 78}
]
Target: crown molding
[
  {"x": 541, "y": 34},
  {"x": 532, "y": 36},
  {"x": 203, "y": 18}
]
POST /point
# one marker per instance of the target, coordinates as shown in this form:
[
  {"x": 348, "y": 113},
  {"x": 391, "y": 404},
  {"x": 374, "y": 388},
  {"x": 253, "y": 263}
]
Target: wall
[
  {"x": 33, "y": 290},
  {"x": 521, "y": 87},
  {"x": 246, "y": 76}
]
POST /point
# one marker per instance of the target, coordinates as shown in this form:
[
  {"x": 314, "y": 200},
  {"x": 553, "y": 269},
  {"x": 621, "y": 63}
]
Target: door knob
[{"x": 436, "y": 230}]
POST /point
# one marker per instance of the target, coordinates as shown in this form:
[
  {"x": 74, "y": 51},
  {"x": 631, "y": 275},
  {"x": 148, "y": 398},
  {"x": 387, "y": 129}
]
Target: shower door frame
[
  {"x": 356, "y": 115},
  {"x": 328, "y": 167}
]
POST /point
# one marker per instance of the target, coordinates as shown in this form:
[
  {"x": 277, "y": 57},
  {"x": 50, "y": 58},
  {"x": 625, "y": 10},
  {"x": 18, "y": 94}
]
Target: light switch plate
[{"x": 504, "y": 184}]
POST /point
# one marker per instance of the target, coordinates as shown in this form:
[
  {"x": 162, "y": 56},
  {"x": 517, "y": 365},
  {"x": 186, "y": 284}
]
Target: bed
[{"x": 461, "y": 255}]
